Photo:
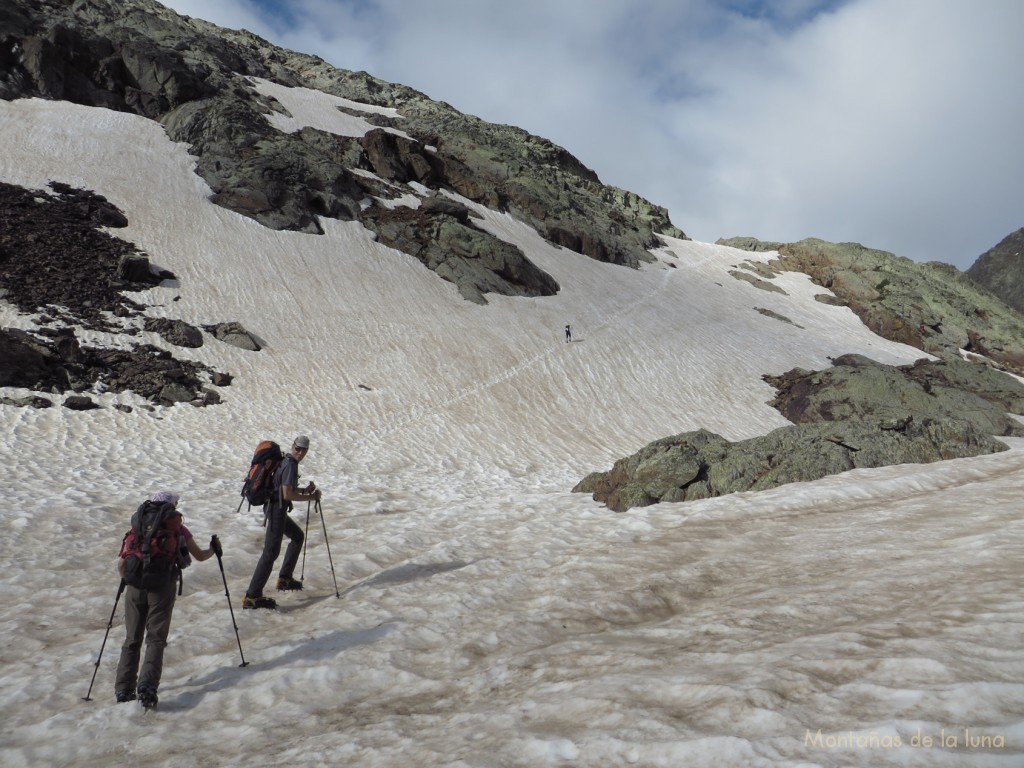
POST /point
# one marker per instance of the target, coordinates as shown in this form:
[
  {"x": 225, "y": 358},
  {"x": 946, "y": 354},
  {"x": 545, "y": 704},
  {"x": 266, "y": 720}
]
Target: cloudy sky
[{"x": 893, "y": 123}]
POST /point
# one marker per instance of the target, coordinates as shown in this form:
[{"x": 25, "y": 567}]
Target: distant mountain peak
[{"x": 1001, "y": 270}]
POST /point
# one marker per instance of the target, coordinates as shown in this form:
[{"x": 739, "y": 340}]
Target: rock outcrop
[
  {"x": 52, "y": 361},
  {"x": 701, "y": 464},
  {"x": 859, "y": 413},
  {"x": 235, "y": 334},
  {"x": 441, "y": 236},
  {"x": 856, "y": 388}
]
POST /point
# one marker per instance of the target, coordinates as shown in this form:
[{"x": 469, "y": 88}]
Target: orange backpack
[{"x": 259, "y": 482}]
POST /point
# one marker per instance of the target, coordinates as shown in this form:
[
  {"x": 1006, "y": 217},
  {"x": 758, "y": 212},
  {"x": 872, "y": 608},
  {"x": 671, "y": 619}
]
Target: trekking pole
[
  {"x": 323, "y": 522},
  {"x": 233, "y": 623},
  {"x": 305, "y": 541},
  {"x": 110, "y": 623}
]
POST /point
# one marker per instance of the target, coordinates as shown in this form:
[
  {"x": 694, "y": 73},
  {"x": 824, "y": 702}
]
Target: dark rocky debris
[
  {"x": 58, "y": 264},
  {"x": 55, "y": 257},
  {"x": 53, "y": 362}
]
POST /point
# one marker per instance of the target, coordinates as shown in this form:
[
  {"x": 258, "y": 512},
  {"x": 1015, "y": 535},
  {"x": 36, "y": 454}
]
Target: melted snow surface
[{"x": 487, "y": 616}]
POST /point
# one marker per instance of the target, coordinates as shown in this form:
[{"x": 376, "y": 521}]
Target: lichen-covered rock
[
  {"x": 859, "y": 413},
  {"x": 235, "y": 334},
  {"x": 757, "y": 282},
  {"x": 474, "y": 260},
  {"x": 698, "y": 465},
  {"x": 857, "y": 388}
]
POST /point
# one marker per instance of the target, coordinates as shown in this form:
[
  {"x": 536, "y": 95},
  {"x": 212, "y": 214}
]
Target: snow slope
[{"x": 488, "y": 617}]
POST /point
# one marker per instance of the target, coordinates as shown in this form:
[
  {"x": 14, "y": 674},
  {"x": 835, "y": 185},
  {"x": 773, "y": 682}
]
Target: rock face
[
  {"x": 441, "y": 236},
  {"x": 932, "y": 306},
  {"x": 195, "y": 78},
  {"x": 1001, "y": 270}
]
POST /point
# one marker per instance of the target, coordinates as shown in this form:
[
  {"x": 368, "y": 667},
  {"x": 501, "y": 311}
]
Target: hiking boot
[
  {"x": 123, "y": 696},
  {"x": 288, "y": 584},
  {"x": 258, "y": 602},
  {"x": 147, "y": 696}
]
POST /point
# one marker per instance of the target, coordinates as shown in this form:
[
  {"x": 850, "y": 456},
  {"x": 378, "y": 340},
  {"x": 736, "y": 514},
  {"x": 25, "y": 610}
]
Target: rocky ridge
[
  {"x": 931, "y": 306},
  {"x": 700, "y": 464}
]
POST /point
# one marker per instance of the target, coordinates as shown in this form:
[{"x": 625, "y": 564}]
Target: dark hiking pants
[
  {"x": 147, "y": 613},
  {"x": 279, "y": 525}
]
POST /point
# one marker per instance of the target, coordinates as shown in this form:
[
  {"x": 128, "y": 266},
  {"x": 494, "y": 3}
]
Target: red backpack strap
[{"x": 126, "y": 548}]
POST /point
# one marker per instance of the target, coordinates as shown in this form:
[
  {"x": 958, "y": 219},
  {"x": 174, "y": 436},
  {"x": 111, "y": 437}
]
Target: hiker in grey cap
[{"x": 279, "y": 524}]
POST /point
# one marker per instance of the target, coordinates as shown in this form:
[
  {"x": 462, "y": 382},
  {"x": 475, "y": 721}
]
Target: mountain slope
[
  {"x": 197, "y": 80},
  {"x": 488, "y": 616}
]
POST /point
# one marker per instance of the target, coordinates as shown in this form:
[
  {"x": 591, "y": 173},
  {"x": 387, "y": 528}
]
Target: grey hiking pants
[
  {"x": 279, "y": 525},
  {"x": 147, "y": 612}
]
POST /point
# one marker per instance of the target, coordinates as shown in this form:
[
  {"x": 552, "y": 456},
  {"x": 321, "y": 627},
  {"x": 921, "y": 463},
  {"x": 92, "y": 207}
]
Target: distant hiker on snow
[
  {"x": 568, "y": 334},
  {"x": 151, "y": 558},
  {"x": 279, "y": 524}
]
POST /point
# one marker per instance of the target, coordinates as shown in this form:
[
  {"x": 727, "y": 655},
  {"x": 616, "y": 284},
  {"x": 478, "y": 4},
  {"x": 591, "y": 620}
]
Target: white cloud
[{"x": 889, "y": 122}]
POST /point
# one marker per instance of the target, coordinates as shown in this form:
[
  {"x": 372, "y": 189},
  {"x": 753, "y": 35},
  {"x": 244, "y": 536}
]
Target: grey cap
[{"x": 301, "y": 442}]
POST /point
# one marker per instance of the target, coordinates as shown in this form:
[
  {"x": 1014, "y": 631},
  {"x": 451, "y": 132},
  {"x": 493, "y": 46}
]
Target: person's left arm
[{"x": 196, "y": 552}]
